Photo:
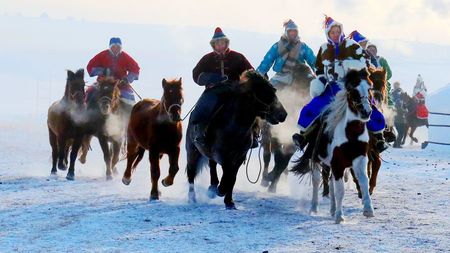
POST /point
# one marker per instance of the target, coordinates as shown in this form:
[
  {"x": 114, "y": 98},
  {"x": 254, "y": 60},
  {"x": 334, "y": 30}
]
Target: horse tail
[
  {"x": 299, "y": 169},
  {"x": 136, "y": 161}
]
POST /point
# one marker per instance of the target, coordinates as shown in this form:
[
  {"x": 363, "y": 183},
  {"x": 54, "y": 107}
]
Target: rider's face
[
  {"x": 372, "y": 50},
  {"x": 115, "y": 49},
  {"x": 363, "y": 44},
  {"x": 220, "y": 46},
  {"x": 292, "y": 34},
  {"x": 335, "y": 33}
]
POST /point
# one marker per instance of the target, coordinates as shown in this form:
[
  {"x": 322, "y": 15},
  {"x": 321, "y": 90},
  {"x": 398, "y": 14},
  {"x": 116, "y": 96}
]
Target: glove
[{"x": 207, "y": 79}]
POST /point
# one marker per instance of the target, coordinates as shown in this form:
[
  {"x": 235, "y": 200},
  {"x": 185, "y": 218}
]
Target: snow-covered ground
[{"x": 41, "y": 213}]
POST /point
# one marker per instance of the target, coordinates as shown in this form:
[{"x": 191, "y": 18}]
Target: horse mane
[
  {"x": 378, "y": 78},
  {"x": 111, "y": 81},
  {"x": 336, "y": 110}
]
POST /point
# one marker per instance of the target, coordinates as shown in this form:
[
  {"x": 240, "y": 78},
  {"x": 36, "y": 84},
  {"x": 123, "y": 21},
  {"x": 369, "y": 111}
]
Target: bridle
[{"x": 265, "y": 105}]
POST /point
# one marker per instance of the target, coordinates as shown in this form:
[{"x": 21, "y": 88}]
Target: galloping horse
[
  {"x": 283, "y": 150},
  {"x": 378, "y": 79},
  {"x": 64, "y": 122},
  {"x": 412, "y": 121},
  {"x": 106, "y": 122},
  {"x": 155, "y": 125},
  {"x": 229, "y": 135},
  {"x": 345, "y": 144}
]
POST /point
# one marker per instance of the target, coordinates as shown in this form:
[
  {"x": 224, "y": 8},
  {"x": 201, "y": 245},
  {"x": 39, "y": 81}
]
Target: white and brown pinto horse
[{"x": 347, "y": 143}]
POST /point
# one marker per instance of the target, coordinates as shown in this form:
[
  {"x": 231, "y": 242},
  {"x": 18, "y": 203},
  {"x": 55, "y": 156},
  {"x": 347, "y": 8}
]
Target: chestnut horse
[
  {"x": 105, "y": 122},
  {"x": 155, "y": 125},
  {"x": 64, "y": 121}
]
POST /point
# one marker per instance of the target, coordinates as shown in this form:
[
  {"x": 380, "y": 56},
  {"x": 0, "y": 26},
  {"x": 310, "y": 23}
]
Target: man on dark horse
[
  {"x": 218, "y": 71},
  {"x": 334, "y": 59},
  {"x": 284, "y": 56},
  {"x": 117, "y": 63}
]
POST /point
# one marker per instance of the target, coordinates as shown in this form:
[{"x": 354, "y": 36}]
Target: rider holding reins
[
  {"x": 117, "y": 63},
  {"x": 334, "y": 59}
]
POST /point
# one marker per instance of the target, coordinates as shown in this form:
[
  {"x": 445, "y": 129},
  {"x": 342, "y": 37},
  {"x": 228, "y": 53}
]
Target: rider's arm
[
  {"x": 94, "y": 67},
  {"x": 386, "y": 67},
  {"x": 201, "y": 75},
  {"x": 268, "y": 60},
  {"x": 132, "y": 68},
  {"x": 309, "y": 57},
  {"x": 245, "y": 64}
]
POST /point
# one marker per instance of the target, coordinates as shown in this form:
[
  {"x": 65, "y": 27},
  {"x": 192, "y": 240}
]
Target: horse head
[
  {"x": 108, "y": 95},
  {"x": 75, "y": 87},
  {"x": 378, "y": 79},
  {"x": 358, "y": 85},
  {"x": 172, "y": 98},
  {"x": 268, "y": 106}
]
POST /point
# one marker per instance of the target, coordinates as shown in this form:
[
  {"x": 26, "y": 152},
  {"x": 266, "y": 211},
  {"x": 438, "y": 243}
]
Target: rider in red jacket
[{"x": 117, "y": 63}]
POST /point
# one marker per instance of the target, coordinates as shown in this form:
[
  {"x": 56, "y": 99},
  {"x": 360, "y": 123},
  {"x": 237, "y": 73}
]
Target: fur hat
[
  {"x": 358, "y": 37},
  {"x": 328, "y": 24},
  {"x": 115, "y": 41}
]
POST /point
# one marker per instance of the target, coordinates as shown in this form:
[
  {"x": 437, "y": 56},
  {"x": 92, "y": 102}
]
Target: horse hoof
[
  {"x": 265, "y": 182},
  {"x": 220, "y": 192},
  {"x": 166, "y": 183},
  {"x": 368, "y": 214},
  {"x": 82, "y": 160},
  {"x": 109, "y": 177},
  {"x": 126, "y": 181},
  {"x": 359, "y": 195},
  {"x": 314, "y": 210},
  {"x": 192, "y": 199},
  {"x": 230, "y": 206},
  {"x": 272, "y": 189},
  {"x": 70, "y": 176},
  {"x": 154, "y": 197},
  {"x": 212, "y": 191},
  {"x": 53, "y": 173},
  {"x": 62, "y": 167},
  {"x": 339, "y": 219}
]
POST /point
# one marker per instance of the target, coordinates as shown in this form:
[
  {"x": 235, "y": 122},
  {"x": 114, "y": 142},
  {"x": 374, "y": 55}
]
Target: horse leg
[
  {"x": 360, "y": 167},
  {"x": 339, "y": 191},
  {"x": 325, "y": 181},
  {"x": 62, "y": 153},
  {"x": 134, "y": 156},
  {"x": 173, "y": 167},
  {"x": 155, "y": 173},
  {"x": 54, "y": 145},
  {"x": 376, "y": 164},
  {"x": 315, "y": 170},
  {"x": 116, "y": 145},
  {"x": 266, "y": 157},
  {"x": 85, "y": 149},
  {"x": 411, "y": 135},
  {"x": 192, "y": 168},
  {"x": 281, "y": 162},
  {"x": 106, "y": 155},
  {"x": 212, "y": 189},
  {"x": 73, "y": 157},
  {"x": 355, "y": 180},
  {"x": 229, "y": 184},
  {"x": 332, "y": 196}
]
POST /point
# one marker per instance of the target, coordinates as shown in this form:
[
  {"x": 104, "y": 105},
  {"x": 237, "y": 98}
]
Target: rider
[
  {"x": 381, "y": 62},
  {"x": 219, "y": 69},
  {"x": 419, "y": 91},
  {"x": 285, "y": 54},
  {"x": 117, "y": 63},
  {"x": 334, "y": 59}
]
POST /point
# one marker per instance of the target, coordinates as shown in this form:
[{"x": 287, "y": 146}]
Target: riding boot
[
  {"x": 300, "y": 139},
  {"x": 255, "y": 141},
  {"x": 381, "y": 144}
]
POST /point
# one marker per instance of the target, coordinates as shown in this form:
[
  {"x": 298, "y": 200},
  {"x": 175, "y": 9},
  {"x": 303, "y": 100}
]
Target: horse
[
  {"x": 412, "y": 121},
  {"x": 64, "y": 123},
  {"x": 378, "y": 79},
  {"x": 344, "y": 144},
  {"x": 155, "y": 125},
  {"x": 271, "y": 143},
  {"x": 229, "y": 135},
  {"x": 105, "y": 122}
]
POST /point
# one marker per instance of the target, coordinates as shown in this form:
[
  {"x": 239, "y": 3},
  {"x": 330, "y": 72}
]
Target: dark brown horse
[
  {"x": 412, "y": 121},
  {"x": 230, "y": 132},
  {"x": 105, "y": 122},
  {"x": 64, "y": 121},
  {"x": 293, "y": 97},
  {"x": 155, "y": 125}
]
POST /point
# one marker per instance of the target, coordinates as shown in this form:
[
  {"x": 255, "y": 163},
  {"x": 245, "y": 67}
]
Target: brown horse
[
  {"x": 105, "y": 122},
  {"x": 64, "y": 121},
  {"x": 155, "y": 125},
  {"x": 412, "y": 121}
]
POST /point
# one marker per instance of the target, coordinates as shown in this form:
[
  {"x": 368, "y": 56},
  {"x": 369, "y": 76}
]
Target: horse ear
[
  {"x": 70, "y": 74},
  {"x": 164, "y": 83},
  {"x": 80, "y": 73},
  {"x": 180, "y": 80}
]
